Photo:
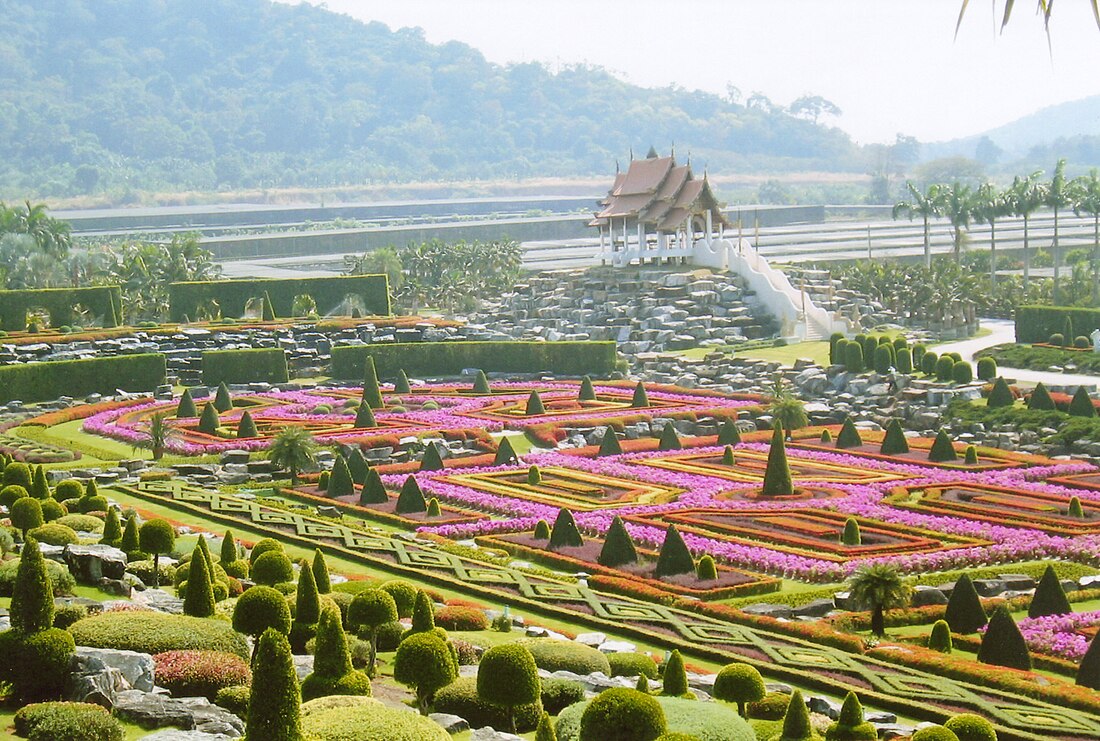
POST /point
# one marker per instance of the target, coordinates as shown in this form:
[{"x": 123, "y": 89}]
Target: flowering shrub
[{"x": 200, "y": 673}]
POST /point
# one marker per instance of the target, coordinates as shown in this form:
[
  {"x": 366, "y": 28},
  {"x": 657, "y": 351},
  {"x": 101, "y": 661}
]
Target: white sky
[{"x": 891, "y": 65}]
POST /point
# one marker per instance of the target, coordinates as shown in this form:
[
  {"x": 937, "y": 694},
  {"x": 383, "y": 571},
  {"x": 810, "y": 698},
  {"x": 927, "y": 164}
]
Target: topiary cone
[
  {"x": 669, "y": 440},
  {"x": 727, "y": 457},
  {"x": 618, "y": 547},
  {"x": 1081, "y": 404},
  {"x": 481, "y": 383},
  {"x": 942, "y": 451},
  {"x": 1049, "y": 598},
  {"x": 432, "y": 460},
  {"x": 373, "y": 491},
  {"x": 319, "y": 567},
  {"x": 372, "y": 392},
  {"x": 796, "y": 721},
  {"x": 587, "y": 392},
  {"x": 728, "y": 434},
  {"x": 433, "y": 508},
  {"x": 199, "y": 601},
  {"x": 1088, "y": 672},
  {"x": 1075, "y": 508},
  {"x": 894, "y": 443},
  {"x": 208, "y": 422},
  {"x": 411, "y": 498},
  {"x": 364, "y": 416},
  {"x": 223, "y": 402},
  {"x": 674, "y": 681},
  {"x": 565, "y": 533},
  {"x": 246, "y": 427},
  {"x": 777, "y": 475},
  {"x": 964, "y": 612},
  {"x": 640, "y": 400},
  {"x": 340, "y": 483},
  {"x": 186, "y": 407},
  {"x": 1040, "y": 399},
  {"x": 674, "y": 558},
  {"x": 534, "y": 405},
  {"x": 506, "y": 454},
  {"x": 534, "y": 476},
  {"x": 849, "y": 435},
  {"x": 401, "y": 384},
  {"x": 609, "y": 443},
  {"x": 1000, "y": 395},
  {"x": 275, "y": 713},
  {"x": 1003, "y": 644}
]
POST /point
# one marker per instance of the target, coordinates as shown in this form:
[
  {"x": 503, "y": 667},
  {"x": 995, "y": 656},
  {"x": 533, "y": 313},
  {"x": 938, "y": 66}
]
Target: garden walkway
[
  {"x": 1004, "y": 331},
  {"x": 778, "y": 655}
]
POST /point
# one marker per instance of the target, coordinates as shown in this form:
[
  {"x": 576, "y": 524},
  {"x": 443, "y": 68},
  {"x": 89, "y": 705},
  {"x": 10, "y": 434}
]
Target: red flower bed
[
  {"x": 199, "y": 673},
  {"x": 457, "y": 617},
  {"x": 82, "y": 411}
]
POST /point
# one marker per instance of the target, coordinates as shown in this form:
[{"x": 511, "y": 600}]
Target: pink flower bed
[{"x": 1057, "y": 635}]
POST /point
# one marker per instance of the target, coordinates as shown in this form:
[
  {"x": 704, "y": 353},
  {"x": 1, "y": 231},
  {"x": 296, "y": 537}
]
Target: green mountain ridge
[{"x": 120, "y": 96}]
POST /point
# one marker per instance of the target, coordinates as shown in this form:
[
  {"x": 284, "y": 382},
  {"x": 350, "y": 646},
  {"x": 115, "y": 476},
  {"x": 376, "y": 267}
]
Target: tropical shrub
[
  {"x": 67, "y": 721},
  {"x": 200, "y": 673},
  {"x": 151, "y": 632}
]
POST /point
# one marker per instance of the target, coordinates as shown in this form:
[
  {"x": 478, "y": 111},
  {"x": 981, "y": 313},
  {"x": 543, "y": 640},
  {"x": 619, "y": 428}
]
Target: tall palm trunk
[
  {"x": 1027, "y": 255},
  {"x": 927, "y": 246},
  {"x": 1056, "y": 255},
  {"x": 992, "y": 255},
  {"x": 878, "y": 621}
]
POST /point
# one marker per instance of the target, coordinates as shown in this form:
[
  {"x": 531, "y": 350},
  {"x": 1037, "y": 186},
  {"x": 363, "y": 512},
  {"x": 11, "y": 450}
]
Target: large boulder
[
  {"x": 136, "y": 668},
  {"x": 90, "y": 563},
  {"x": 151, "y": 710}
]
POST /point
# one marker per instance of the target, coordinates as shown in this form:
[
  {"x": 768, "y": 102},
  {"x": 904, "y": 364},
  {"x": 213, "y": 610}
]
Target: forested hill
[{"x": 118, "y": 95}]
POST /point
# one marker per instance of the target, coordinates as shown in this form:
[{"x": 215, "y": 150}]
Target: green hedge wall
[
  {"x": 232, "y": 295},
  {"x": 244, "y": 366},
  {"x": 1038, "y": 323},
  {"x": 104, "y": 301},
  {"x": 45, "y": 381},
  {"x": 450, "y": 358}
]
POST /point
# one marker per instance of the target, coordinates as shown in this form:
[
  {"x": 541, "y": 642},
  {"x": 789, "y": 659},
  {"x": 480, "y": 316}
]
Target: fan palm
[
  {"x": 1025, "y": 197},
  {"x": 787, "y": 409},
  {"x": 878, "y": 587},
  {"x": 157, "y": 436},
  {"x": 991, "y": 204},
  {"x": 1057, "y": 195},
  {"x": 1086, "y": 200},
  {"x": 293, "y": 448},
  {"x": 956, "y": 202},
  {"x": 923, "y": 205}
]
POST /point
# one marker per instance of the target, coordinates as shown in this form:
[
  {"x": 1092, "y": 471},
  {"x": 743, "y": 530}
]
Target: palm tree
[
  {"x": 1025, "y": 197},
  {"x": 158, "y": 435},
  {"x": 787, "y": 409},
  {"x": 991, "y": 204},
  {"x": 956, "y": 202},
  {"x": 1057, "y": 196},
  {"x": 879, "y": 588},
  {"x": 1086, "y": 199},
  {"x": 923, "y": 205},
  {"x": 293, "y": 448}
]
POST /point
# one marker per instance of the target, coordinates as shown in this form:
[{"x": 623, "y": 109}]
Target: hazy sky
[{"x": 891, "y": 65}]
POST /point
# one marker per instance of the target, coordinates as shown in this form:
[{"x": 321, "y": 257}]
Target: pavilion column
[{"x": 710, "y": 226}]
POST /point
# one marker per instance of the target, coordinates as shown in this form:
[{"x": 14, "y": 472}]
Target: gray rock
[
  {"x": 490, "y": 734},
  {"x": 770, "y": 610},
  {"x": 989, "y": 587},
  {"x": 815, "y": 609},
  {"x": 925, "y": 595},
  {"x": 97, "y": 687},
  {"x": 452, "y": 724},
  {"x": 188, "y": 713},
  {"x": 303, "y": 666},
  {"x": 136, "y": 668},
  {"x": 174, "y": 735},
  {"x": 824, "y": 706}
]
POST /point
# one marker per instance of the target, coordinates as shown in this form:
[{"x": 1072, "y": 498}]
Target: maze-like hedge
[
  {"x": 105, "y": 303},
  {"x": 232, "y": 295}
]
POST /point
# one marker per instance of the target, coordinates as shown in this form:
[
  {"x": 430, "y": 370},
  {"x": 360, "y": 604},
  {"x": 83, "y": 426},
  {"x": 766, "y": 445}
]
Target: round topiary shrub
[
  {"x": 970, "y": 727},
  {"x": 558, "y": 694},
  {"x": 460, "y": 617},
  {"x": 263, "y": 546},
  {"x": 260, "y": 608},
  {"x": 35, "y": 664},
  {"x": 81, "y": 523},
  {"x": 365, "y": 719},
  {"x": 1057, "y": 339},
  {"x": 54, "y": 534},
  {"x": 460, "y": 698},
  {"x": 622, "y": 715},
  {"x": 200, "y": 673},
  {"x": 404, "y": 596},
  {"x": 68, "y": 489},
  {"x": 92, "y": 504},
  {"x": 235, "y": 699},
  {"x": 62, "y": 582},
  {"x": 272, "y": 568},
  {"x": 389, "y": 635},
  {"x": 1081, "y": 342},
  {"x": 962, "y": 372},
  {"x": 507, "y": 676},
  {"x": 934, "y": 733},
  {"x": 67, "y": 721},
  {"x": 944, "y": 365},
  {"x": 740, "y": 684},
  {"x": 632, "y": 664},
  {"x": 53, "y": 510},
  {"x": 156, "y": 632},
  {"x": 713, "y": 721},
  {"x": 11, "y": 494},
  {"x": 772, "y": 707},
  {"x": 987, "y": 369},
  {"x": 144, "y": 570},
  {"x": 553, "y": 655},
  {"x": 66, "y": 615}
]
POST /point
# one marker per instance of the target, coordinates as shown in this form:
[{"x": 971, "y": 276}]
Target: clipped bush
[
  {"x": 728, "y": 434},
  {"x": 970, "y": 727},
  {"x": 1081, "y": 404},
  {"x": 411, "y": 499},
  {"x": 365, "y": 719},
  {"x": 200, "y": 673},
  {"x": 558, "y": 694},
  {"x": 609, "y": 443},
  {"x": 554, "y": 655},
  {"x": 944, "y": 365},
  {"x": 962, "y": 372},
  {"x": 1057, "y": 339},
  {"x": 622, "y": 715},
  {"x": 853, "y": 357},
  {"x": 1003, "y": 644},
  {"x": 275, "y": 713},
  {"x": 987, "y": 369},
  {"x": 67, "y": 721},
  {"x": 883, "y": 359},
  {"x": 272, "y": 568},
  {"x": 261, "y": 547},
  {"x": 929, "y": 363},
  {"x": 674, "y": 558},
  {"x": 934, "y": 733},
  {"x": 674, "y": 682},
  {"x": 507, "y": 676},
  {"x": 332, "y": 670},
  {"x": 61, "y": 580},
  {"x": 26, "y": 514},
  {"x": 632, "y": 664},
  {"x": 796, "y": 721},
  {"x": 1040, "y": 398},
  {"x": 772, "y": 707},
  {"x": 684, "y": 719},
  {"x": 565, "y": 534},
  {"x": 156, "y": 632},
  {"x": 964, "y": 613},
  {"x": 259, "y": 609},
  {"x": 36, "y": 664},
  {"x": 777, "y": 474},
  {"x": 12, "y": 493},
  {"x": 54, "y": 534},
  {"x": 850, "y": 725},
  {"x": 618, "y": 547},
  {"x": 905, "y": 360},
  {"x": 424, "y": 662},
  {"x": 740, "y": 684},
  {"x": 87, "y": 523},
  {"x": 235, "y": 699},
  {"x": 942, "y": 450},
  {"x": 849, "y": 435},
  {"x": 1050, "y": 597},
  {"x": 66, "y": 615},
  {"x": 894, "y": 442},
  {"x": 940, "y": 637},
  {"x": 706, "y": 569},
  {"x": 458, "y": 617},
  {"x": 368, "y": 612},
  {"x": 404, "y": 596}
]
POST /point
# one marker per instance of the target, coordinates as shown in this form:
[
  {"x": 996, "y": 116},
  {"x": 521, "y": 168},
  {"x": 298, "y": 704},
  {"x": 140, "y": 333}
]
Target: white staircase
[{"x": 798, "y": 315}]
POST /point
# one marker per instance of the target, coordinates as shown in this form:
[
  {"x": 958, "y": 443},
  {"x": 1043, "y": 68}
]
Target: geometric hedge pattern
[{"x": 780, "y": 656}]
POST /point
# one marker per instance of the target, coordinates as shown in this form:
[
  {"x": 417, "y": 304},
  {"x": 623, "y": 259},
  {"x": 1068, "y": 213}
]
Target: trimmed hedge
[
  {"x": 232, "y": 295},
  {"x": 50, "y": 380},
  {"x": 460, "y": 698},
  {"x": 266, "y": 365},
  {"x": 450, "y": 358},
  {"x": 553, "y": 655},
  {"x": 365, "y": 719},
  {"x": 103, "y": 301},
  {"x": 67, "y": 721},
  {"x": 155, "y": 632},
  {"x": 1038, "y": 323}
]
